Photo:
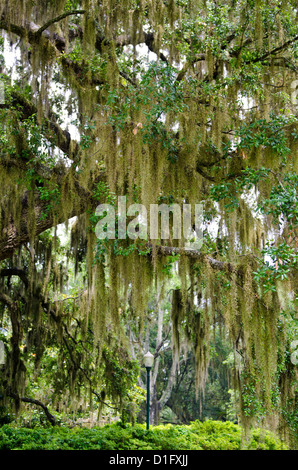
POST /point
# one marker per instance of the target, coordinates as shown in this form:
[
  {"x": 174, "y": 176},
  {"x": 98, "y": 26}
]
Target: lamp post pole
[
  {"x": 148, "y": 396},
  {"x": 148, "y": 361}
]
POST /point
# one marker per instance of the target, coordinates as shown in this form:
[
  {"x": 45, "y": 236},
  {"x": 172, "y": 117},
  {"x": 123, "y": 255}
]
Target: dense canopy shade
[{"x": 174, "y": 102}]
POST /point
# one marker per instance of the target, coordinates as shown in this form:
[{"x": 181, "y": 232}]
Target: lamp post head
[{"x": 148, "y": 360}]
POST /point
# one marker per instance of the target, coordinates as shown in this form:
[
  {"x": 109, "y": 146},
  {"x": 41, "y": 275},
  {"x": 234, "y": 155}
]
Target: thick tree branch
[
  {"x": 18, "y": 232},
  {"x": 13, "y": 28},
  {"x": 52, "y": 130},
  {"x": 8, "y": 272},
  {"x": 59, "y": 18},
  {"x": 4, "y": 298},
  {"x": 195, "y": 254},
  {"x": 33, "y": 401},
  {"x": 167, "y": 392},
  {"x": 274, "y": 51}
]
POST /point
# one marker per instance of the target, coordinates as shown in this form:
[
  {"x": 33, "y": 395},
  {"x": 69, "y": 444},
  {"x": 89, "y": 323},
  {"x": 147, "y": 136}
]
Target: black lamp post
[{"x": 148, "y": 361}]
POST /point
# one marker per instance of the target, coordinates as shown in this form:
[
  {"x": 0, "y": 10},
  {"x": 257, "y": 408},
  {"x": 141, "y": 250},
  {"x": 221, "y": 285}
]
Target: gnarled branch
[{"x": 59, "y": 18}]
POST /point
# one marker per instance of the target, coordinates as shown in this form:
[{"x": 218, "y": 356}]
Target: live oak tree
[
  {"x": 174, "y": 394},
  {"x": 162, "y": 102}
]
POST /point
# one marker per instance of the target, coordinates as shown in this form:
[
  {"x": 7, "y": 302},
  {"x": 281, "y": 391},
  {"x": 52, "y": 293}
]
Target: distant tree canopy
[{"x": 162, "y": 102}]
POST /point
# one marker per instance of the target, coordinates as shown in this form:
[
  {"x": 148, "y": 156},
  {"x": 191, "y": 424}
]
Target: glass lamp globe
[{"x": 148, "y": 359}]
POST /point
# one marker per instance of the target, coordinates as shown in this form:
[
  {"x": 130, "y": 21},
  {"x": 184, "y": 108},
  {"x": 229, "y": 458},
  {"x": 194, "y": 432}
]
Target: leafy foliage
[{"x": 209, "y": 435}]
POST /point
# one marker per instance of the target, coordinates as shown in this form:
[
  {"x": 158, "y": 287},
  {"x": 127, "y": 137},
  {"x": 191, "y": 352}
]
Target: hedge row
[{"x": 208, "y": 435}]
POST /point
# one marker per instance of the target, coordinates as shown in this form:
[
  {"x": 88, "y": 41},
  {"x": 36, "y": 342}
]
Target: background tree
[{"x": 209, "y": 116}]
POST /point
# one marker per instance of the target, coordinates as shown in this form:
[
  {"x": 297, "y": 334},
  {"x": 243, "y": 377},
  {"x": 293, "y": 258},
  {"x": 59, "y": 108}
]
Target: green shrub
[{"x": 208, "y": 435}]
